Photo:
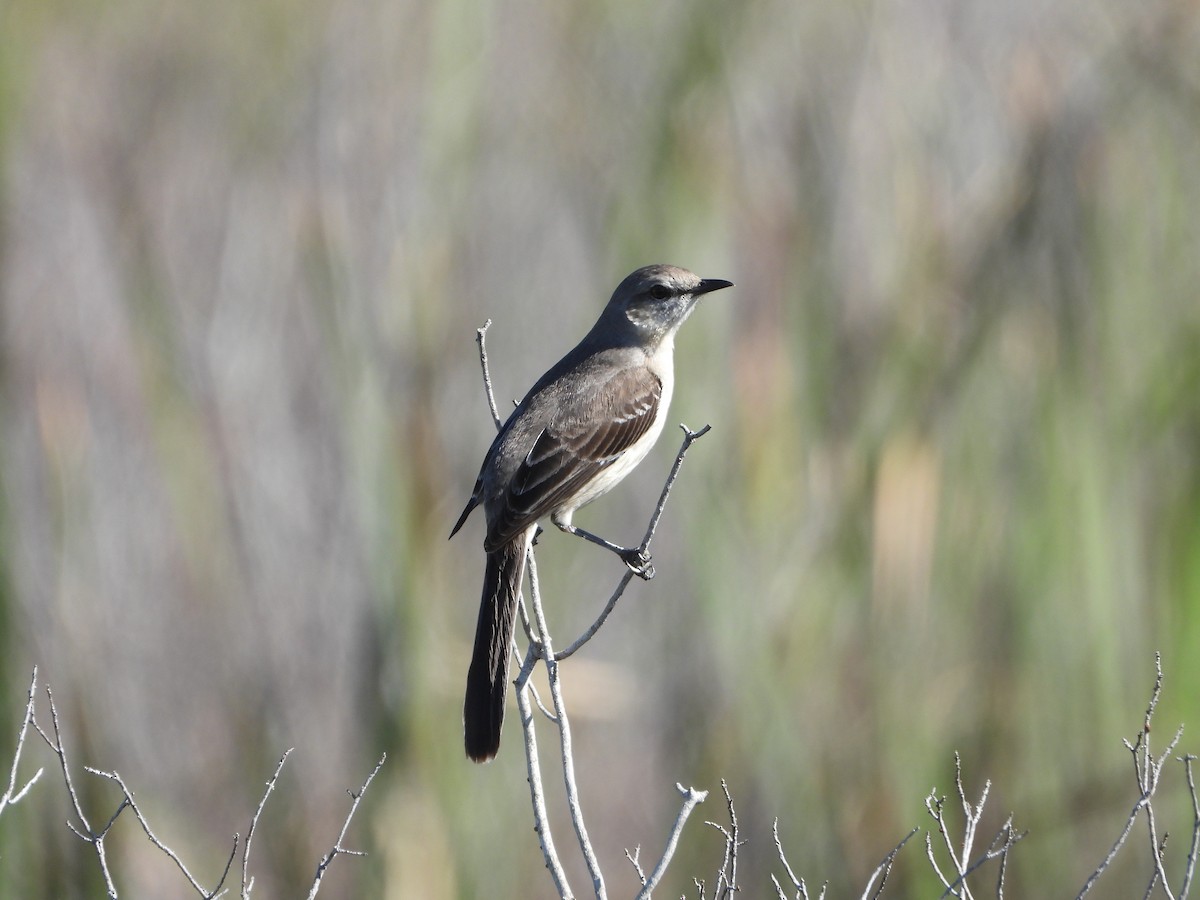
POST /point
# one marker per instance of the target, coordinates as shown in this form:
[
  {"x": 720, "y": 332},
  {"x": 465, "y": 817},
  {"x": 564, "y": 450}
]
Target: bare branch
[
  {"x": 960, "y": 856},
  {"x": 82, "y": 828},
  {"x": 130, "y": 803},
  {"x": 1189, "y": 872},
  {"x": 564, "y": 733},
  {"x": 86, "y": 833},
  {"x": 1154, "y": 879},
  {"x": 1112, "y": 853},
  {"x": 338, "y": 849},
  {"x": 689, "y": 437},
  {"x": 600, "y": 620},
  {"x": 1147, "y": 773},
  {"x": 533, "y": 770},
  {"x": 635, "y": 859},
  {"x": 882, "y": 871},
  {"x": 523, "y": 680},
  {"x": 934, "y": 805},
  {"x": 480, "y": 339},
  {"x": 247, "y": 882},
  {"x": 799, "y": 884},
  {"x": 1010, "y": 838},
  {"x": 970, "y": 815},
  {"x": 727, "y": 874},
  {"x": 691, "y": 797},
  {"x": 11, "y": 795},
  {"x": 1001, "y": 844}
]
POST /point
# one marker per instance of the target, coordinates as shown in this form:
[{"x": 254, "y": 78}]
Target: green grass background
[{"x": 951, "y": 499}]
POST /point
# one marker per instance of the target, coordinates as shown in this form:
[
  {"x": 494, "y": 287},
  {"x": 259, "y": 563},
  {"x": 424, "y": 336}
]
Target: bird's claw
[{"x": 639, "y": 562}]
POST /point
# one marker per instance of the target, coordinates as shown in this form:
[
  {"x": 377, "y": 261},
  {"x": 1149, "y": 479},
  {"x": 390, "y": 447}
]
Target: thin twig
[
  {"x": 934, "y": 805},
  {"x": 995, "y": 850},
  {"x": 960, "y": 857},
  {"x": 247, "y": 882},
  {"x": 882, "y": 871},
  {"x": 1010, "y": 840},
  {"x": 1194, "y": 850},
  {"x": 11, "y": 795},
  {"x": 635, "y": 860},
  {"x": 1160, "y": 849},
  {"x": 527, "y": 665},
  {"x": 797, "y": 883},
  {"x": 533, "y": 773},
  {"x": 86, "y": 834},
  {"x": 1157, "y": 846},
  {"x": 689, "y": 438},
  {"x": 971, "y": 815},
  {"x": 1112, "y": 853},
  {"x": 338, "y": 849},
  {"x": 691, "y": 797},
  {"x": 727, "y": 875},
  {"x": 600, "y": 620},
  {"x": 1147, "y": 771},
  {"x": 564, "y": 733},
  {"x": 523, "y": 679},
  {"x": 487, "y": 375},
  {"x": 130, "y": 803}
]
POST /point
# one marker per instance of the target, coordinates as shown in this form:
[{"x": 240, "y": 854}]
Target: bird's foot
[{"x": 638, "y": 561}]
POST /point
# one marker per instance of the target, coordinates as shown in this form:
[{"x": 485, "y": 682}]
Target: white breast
[{"x": 615, "y": 473}]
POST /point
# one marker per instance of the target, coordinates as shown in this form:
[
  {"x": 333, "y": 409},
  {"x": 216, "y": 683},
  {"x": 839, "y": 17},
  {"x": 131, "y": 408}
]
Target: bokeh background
[{"x": 951, "y": 499}]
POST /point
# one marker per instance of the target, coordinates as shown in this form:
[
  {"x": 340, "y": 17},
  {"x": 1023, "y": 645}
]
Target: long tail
[{"x": 487, "y": 679}]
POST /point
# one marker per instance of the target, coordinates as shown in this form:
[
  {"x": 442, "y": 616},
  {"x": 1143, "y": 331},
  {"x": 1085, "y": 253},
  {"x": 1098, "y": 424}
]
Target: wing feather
[{"x": 571, "y": 450}]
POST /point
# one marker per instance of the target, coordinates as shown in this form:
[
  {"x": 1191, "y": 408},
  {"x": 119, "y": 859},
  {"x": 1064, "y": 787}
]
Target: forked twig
[
  {"x": 337, "y": 849},
  {"x": 533, "y": 772},
  {"x": 11, "y": 795},
  {"x": 129, "y": 803},
  {"x": 247, "y": 882},
  {"x": 960, "y": 856},
  {"x": 546, "y": 651},
  {"x": 96, "y": 839},
  {"x": 727, "y": 875},
  {"x": 883, "y": 870},
  {"x": 1147, "y": 773},
  {"x": 691, "y": 798}
]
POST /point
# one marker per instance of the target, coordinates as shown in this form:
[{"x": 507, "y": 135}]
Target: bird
[{"x": 582, "y": 427}]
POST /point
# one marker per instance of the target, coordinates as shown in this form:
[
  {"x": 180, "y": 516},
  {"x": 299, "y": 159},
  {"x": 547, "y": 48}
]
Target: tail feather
[{"x": 487, "y": 679}]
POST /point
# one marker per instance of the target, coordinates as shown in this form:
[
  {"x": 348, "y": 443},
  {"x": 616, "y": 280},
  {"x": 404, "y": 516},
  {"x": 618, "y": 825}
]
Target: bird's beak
[{"x": 708, "y": 285}]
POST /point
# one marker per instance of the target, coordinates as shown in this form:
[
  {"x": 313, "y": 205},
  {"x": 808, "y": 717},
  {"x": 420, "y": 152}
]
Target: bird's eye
[{"x": 660, "y": 292}]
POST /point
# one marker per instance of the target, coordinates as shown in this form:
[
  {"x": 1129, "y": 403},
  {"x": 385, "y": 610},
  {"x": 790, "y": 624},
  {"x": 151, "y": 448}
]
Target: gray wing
[{"x": 571, "y": 450}]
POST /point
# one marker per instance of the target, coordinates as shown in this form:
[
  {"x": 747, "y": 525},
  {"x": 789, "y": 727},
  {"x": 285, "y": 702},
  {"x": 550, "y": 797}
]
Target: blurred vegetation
[{"x": 951, "y": 500}]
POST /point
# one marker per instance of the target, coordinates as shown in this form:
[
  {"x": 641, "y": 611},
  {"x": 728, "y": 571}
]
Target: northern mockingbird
[{"x": 581, "y": 429}]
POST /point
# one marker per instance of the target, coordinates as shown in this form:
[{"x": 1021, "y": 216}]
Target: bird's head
[{"x": 655, "y": 300}]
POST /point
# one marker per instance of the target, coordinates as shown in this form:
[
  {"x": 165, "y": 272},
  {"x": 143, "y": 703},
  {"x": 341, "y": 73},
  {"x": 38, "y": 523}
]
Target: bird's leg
[{"x": 635, "y": 558}]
